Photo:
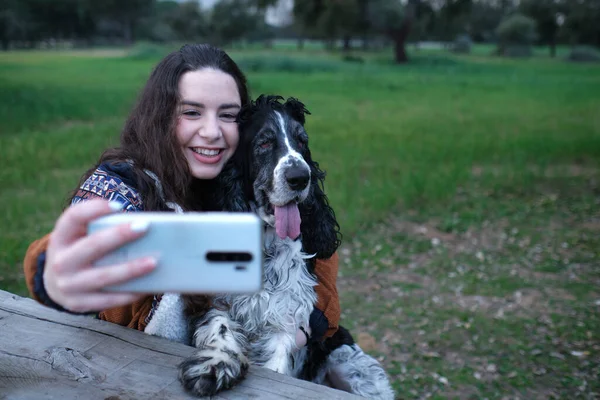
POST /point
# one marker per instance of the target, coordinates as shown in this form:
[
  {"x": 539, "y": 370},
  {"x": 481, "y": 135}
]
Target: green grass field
[{"x": 467, "y": 189}]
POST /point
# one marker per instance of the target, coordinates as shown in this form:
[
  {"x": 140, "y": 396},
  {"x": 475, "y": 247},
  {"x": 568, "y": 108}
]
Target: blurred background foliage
[{"x": 339, "y": 24}]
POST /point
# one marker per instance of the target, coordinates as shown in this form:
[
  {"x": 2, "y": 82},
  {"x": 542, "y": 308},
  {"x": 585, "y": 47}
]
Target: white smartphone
[{"x": 212, "y": 252}]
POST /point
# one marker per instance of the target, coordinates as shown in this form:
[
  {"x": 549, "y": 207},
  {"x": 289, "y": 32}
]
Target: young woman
[{"x": 174, "y": 144}]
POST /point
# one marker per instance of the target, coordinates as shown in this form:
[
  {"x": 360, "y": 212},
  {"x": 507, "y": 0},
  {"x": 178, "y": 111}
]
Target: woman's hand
[{"x": 69, "y": 278}]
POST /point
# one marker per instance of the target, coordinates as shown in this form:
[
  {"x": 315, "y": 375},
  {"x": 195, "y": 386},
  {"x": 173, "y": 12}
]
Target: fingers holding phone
[{"x": 69, "y": 278}]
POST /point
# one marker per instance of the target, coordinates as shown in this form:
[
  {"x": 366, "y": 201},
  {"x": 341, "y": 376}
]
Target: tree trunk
[
  {"x": 400, "y": 50},
  {"x": 553, "y": 47},
  {"x": 300, "y": 43},
  {"x": 399, "y": 36},
  {"x": 128, "y": 29},
  {"x": 5, "y": 44},
  {"x": 364, "y": 24},
  {"x": 347, "y": 43},
  {"x": 330, "y": 44}
]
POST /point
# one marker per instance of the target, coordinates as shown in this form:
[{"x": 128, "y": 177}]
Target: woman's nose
[{"x": 210, "y": 129}]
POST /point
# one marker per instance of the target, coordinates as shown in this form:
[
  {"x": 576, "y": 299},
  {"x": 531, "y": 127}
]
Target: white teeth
[{"x": 206, "y": 152}]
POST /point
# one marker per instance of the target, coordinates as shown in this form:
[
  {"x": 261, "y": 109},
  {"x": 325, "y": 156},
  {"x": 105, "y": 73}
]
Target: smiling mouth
[{"x": 207, "y": 152}]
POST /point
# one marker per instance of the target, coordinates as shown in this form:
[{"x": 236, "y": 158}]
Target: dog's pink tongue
[{"x": 287, "y": 221}]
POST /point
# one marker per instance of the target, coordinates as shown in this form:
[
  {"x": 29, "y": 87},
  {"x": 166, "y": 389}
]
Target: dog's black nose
[{"x": 297, "y": 178}]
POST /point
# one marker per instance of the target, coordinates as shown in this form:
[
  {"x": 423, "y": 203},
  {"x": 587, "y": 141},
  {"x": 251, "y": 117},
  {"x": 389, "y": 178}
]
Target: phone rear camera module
[{"x": 225, "y": 256}]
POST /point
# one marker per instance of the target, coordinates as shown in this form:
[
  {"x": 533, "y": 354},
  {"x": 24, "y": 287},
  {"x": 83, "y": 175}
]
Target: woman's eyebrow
[
  {"x": 229, "y": 105},
  {"x": 200, "y": 105},
  {"x": 192, "y": 103}
]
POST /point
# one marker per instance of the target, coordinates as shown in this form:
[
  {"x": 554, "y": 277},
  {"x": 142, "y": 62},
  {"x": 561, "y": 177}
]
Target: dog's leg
[
  {"x": 275, "y": 352},
  {"x": 350, "y": 369},
  {"x": 220, "y": 361},
  {"x": 298, "y": 360}
]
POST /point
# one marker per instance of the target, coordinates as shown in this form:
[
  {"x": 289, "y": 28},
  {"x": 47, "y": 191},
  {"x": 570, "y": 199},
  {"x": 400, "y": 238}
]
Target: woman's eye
[
  {"x": 191, "y": 113},
  {"x": 229, "y": 117}
]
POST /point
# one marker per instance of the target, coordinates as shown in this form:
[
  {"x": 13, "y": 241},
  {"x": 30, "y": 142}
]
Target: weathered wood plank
[{"x": 46, "y": 354}]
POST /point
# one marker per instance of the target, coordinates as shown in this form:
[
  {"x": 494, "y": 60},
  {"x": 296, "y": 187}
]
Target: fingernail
[
  {"x": 115, "y": 206},
  {"x": 149, "y": 262},
  {"x": 140, "y": 226}
]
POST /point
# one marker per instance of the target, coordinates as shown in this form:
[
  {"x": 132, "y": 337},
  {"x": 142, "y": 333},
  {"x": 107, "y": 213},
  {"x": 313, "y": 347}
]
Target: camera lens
[{"x": 224, "y": 256}]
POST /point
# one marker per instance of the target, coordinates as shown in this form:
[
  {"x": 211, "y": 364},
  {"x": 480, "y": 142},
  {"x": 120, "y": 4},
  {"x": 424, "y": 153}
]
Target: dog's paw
[{"x": 211, "y": 370}]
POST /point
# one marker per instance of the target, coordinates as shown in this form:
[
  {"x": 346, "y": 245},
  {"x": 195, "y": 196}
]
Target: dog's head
[{"x": 278, "y": 174}]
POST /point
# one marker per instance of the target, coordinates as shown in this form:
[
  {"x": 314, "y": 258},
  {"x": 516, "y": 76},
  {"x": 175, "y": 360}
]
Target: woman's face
[{"x": 206, "y": 120}]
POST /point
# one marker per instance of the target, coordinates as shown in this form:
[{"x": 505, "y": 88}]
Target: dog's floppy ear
[
  {"x": 296, "y": 109},
  {"x": 243, "y": 117},
  {"x": 320, "y": 230},
  {"x": 235, "y": 191}
]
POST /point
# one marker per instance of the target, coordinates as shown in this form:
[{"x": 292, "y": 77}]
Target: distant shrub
[
  {"x": 287, "y": 64},
  {"x": 584, "y": 54},
  {"x": 516, "y": 34},
  {"x": 462, "y": 44},
  {"x": 353, "y": 58},
  {"x": 147, "y": 51},
  {"x": 517, "y": 51},
  {"x": 434, "y": 61}
]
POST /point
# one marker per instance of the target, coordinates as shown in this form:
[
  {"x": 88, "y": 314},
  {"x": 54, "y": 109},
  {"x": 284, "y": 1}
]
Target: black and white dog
[{"x": 274, "y": 175}]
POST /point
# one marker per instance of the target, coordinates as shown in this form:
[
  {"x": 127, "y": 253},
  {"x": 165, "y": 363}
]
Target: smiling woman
[{"x": 206, "y": 127}]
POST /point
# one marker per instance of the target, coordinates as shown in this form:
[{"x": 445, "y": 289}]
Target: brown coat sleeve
[
  {"x": 131, "y": 316},
  {"x": 30, "y": 262},
  {"x": 328, "y": 300}
]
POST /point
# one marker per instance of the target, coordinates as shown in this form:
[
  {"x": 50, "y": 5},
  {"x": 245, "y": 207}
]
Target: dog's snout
[{"x": 297, "y": 177}]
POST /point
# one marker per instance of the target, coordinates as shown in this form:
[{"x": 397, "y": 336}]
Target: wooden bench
[{"x": 46, "y": 354}]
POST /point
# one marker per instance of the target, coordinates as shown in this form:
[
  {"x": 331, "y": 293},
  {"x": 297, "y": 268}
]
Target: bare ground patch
[{"x": 505, "y": 309}]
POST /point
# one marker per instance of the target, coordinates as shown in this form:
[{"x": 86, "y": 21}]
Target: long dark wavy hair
[{"x": 148, "y": 137}]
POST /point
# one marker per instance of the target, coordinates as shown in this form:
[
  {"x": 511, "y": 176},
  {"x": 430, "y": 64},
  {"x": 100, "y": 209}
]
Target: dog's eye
[{"x": 265, "y": 145}]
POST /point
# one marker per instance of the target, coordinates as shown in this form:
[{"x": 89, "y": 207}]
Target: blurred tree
[
  {"x": 15, "y": 22},
  {"x": 424, "y": 23},
  {"x": 264, "y": 32},
  {"x": 516, "y": 34},
  {"x": 347, "y": 18},
  {"x": 546, "y": 14},
  {"x": 156, "y": 26},
  {"x": 453, "y": 17},
  {"x": 338, "y": 19},
  {"x": 187, "y": 21},
  {"x": 395, "y": 20},
  {"x": 35, "y": 20},
  {"x": 483, "y": 19},
  {"x": 232, "y": 20},
  {"x": 306, "y": 13},
  {"x": 582, "y": 22},
  {"x": 127, "y": 14}
]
